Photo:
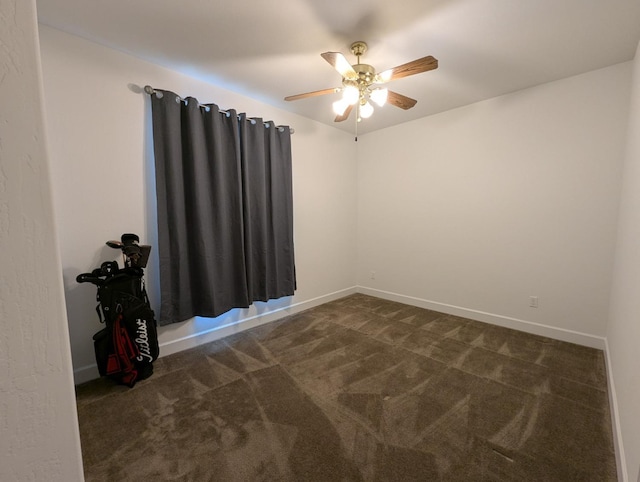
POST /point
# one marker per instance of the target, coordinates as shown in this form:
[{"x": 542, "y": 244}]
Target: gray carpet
[{"x": 358, "y": 389}]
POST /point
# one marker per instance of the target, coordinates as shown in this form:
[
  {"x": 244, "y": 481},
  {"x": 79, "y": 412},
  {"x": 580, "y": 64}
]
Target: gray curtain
[{"x": 225, "y": 208}]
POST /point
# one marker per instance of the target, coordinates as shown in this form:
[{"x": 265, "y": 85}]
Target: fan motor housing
[{"x": 366, "y": 72}]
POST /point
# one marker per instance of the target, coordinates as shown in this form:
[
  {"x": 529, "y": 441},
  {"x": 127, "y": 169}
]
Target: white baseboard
[
  {"x": 85, "y": 374},
  {"x": 227, "y": 329},
  {"x": 504, "y": 321},
  {"x": 90, "y": 372},
  {"x": 621, "y": 462}
]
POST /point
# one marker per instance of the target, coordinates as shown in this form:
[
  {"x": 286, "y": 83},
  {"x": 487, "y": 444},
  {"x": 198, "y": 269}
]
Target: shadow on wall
[
  {"x": 81, "y": 313},
  {"x": 152, "y": 272}
]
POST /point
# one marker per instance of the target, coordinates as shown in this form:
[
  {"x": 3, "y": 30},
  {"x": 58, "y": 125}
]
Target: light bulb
[
  {"x": 366, "y": 110},
  {"x": 384, "y": 76},
  {"x": 379, "y": 96},
  {"x": 339, "y": 106},
  {"x": 351, "y": 94}
]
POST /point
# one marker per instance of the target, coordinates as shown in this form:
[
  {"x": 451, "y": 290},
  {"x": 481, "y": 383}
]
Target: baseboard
[
  {"x": 248, "y": 322},
  {"x": 85, "y": 374},
  {"x": 504, "y": 321},
  {"x": 90, "y": 372},
  {"x": 621, "y": 462}
]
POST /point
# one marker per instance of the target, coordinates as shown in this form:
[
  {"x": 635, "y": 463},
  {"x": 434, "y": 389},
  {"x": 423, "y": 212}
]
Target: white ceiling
[{"x": 271, "y": 49}]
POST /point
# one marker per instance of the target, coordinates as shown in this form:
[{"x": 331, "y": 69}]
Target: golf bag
[{"x": 127, "y": 346}]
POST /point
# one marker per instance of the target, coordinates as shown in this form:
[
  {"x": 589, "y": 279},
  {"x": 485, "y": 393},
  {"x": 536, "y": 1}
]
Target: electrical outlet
[
  {"x": 533, "y": 301},
  {"x": 373, "y": 275}
]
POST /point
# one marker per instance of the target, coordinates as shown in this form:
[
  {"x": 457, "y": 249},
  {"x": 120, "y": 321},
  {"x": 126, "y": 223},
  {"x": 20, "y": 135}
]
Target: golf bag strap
[{"x": 122, "y": 361}]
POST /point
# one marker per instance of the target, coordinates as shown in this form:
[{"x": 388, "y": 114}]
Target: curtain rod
[{"x": 150, "y": 90}]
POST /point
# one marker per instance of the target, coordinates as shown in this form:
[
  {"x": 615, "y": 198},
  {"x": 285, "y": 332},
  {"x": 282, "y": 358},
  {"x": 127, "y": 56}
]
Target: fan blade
[
  {"x": 344, "y": 116},
  {"x": 410, "y": 68},
  {"x": 400, "y": 100},
  {"x": 312, "y": 94},
  {"x": 341, "y": 64}
]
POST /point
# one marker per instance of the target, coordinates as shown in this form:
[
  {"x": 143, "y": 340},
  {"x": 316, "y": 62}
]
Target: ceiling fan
[{"x": 360, "y": 83}]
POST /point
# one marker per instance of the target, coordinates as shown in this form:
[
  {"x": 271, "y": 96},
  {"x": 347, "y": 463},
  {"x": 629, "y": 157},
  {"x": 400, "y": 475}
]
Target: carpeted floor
[{"x": 358, "y": 389}]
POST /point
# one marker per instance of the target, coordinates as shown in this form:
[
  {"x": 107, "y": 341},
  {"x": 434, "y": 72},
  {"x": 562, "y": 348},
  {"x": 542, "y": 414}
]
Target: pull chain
[{"x": 357, "y": 116}]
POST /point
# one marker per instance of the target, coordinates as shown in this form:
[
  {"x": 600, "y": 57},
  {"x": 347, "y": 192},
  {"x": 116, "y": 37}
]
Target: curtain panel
[{"x": 225, "y": 208}]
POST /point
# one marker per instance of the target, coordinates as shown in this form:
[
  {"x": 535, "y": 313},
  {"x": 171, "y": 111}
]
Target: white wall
[
  {"x": 101, "y": 154},
  {"x": 39, "y": 436},
  {"x": 474, "y": 210},
  {"x": 623, "y": 334}
]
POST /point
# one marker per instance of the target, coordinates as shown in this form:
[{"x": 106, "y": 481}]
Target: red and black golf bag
[{"x": 127, "y": 346}]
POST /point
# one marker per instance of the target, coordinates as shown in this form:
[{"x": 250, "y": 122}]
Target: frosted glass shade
[
  {"x": 351, "y": 94},
  {"x": 379, "y": 96},
  {"x": 366, "y": 110}
]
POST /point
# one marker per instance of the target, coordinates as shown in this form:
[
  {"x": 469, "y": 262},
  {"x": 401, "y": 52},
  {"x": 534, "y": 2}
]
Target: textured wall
[
  {"x": 38, "y": 425},
  {"x": 623, "y": 332}
]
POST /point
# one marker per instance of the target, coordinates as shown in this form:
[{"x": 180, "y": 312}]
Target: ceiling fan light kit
[
  {"x": 360, "y": 83},
  {"x": 365, "y": 110},
  {"x": 350, "y": 93},
  {"x": 379, "y": 96},
  {"x": 340, "y": 106}
]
